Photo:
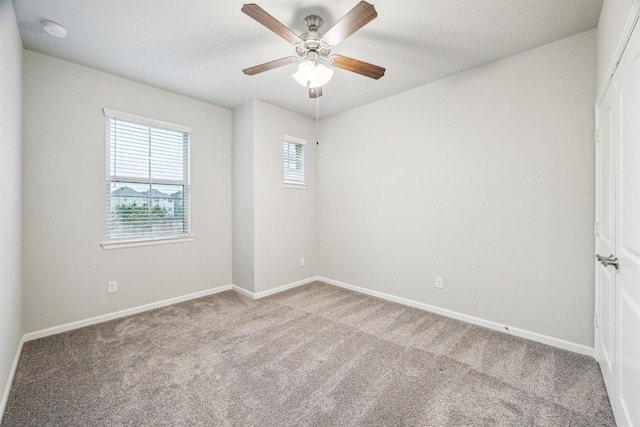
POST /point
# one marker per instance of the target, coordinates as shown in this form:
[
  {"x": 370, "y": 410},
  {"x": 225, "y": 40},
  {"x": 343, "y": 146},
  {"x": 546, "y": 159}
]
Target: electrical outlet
[
  {"x": 439, "y": 282},
  {"x": 301, "y": 262},
  {"x": 112, "y": 286}
]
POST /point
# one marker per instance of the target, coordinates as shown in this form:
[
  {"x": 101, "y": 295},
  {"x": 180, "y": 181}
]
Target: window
[
  {"x": 147, "y": 179},
  {"x": 294, "y": 161}
]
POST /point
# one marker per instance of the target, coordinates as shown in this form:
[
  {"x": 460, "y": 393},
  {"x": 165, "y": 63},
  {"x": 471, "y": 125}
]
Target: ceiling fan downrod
[{"x": 313, "y": 22}]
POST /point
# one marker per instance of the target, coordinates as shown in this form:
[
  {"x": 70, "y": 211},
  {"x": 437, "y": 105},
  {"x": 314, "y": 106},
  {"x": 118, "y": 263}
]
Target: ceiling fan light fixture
[
  {"x": 311, "y": 74},
  {"x": 321, "y": 76},
  {"x": 305, "y": 72}
]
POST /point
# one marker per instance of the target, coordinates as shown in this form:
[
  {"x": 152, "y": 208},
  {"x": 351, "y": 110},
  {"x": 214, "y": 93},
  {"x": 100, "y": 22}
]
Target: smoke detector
[{"x": 56, "y": 30}]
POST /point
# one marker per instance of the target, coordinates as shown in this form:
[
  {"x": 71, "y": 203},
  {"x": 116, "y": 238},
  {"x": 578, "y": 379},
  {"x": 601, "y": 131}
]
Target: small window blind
[
  {"x": 147, "y": 178},
  {"x": 294, "y": 160}
]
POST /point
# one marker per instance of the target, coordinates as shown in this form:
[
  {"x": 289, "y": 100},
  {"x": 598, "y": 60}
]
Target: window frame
[
  {"x": 151, "y": 239},
  {"x": 288, "y": 180}
]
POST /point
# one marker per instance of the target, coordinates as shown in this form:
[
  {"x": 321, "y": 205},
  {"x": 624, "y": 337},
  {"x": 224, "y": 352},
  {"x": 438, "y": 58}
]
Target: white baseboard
[
  {"x": 243, "y": 291},
  {"x": 139, "y": 309},
  {"x": 122, "y": 313},
  {"x": 12, "y": 373},
  {"x": 533, "y": 336},
  {"x": 273, "y": 291},
  {"x": 522, "y": 333}
]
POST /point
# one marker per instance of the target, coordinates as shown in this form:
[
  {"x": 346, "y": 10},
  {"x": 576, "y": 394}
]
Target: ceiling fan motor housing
[{"x": 312, "y": 42}]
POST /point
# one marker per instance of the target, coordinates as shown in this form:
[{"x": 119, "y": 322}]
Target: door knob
[{"x": 608, "y": 260}]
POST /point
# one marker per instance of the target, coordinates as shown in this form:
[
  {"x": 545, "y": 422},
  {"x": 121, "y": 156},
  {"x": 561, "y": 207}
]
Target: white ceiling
[{"x": 199, "y": 47}]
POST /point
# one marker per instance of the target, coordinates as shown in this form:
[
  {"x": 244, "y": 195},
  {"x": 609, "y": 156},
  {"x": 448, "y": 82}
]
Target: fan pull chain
[{"x": 317, "y": 108}]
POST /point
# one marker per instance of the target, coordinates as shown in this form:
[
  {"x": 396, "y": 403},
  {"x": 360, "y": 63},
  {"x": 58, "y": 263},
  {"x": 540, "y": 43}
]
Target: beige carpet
[{"x": 316, "y": 355}]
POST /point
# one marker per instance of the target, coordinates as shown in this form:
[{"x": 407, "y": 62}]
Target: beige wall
[
  {"x": 65, "y": 269},
  {"x": 485, "y": 178},
  {"x": 11, "y": 327},
  {"x": 285, "y": 218},
  {"x": 273, "y": 226},
  {"x": 243, "y": 197}
]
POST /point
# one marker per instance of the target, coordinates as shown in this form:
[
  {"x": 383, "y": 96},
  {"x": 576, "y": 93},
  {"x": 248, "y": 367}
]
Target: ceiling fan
[{"x": 313, "y": 46}]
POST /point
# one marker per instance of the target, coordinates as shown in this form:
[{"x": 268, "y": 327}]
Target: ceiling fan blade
[
  {"x": 356, "y": 18},
  {"x": 357, "y": 66},
  {"x": 270, "y": 65},
  {"x": 260, "y": 15},
  {"x": 315, "y": 92}
]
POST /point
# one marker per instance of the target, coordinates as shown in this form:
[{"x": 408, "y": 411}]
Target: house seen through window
[{"x": 147, "y": 178}]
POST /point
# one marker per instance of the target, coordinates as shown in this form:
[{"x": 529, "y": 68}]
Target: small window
[
  {"x": 294, "y": 161},
  {"x": 147, "y": 179}
]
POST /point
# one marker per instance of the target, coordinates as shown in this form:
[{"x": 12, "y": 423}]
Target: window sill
[
  {"x": 123, "y": 244},
  {"x": 298, "y": 185}
]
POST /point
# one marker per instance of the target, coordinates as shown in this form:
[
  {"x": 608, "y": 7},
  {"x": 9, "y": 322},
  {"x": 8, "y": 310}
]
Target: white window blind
[
  {"x": 294, "y": 160},
  {"x": 147, "y": 178}
]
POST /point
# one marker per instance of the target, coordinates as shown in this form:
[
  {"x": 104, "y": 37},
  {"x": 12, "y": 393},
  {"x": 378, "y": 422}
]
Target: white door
[
  {"x": 617, "y": 335},
  {"x": 628, "y": 235},
  {"x": 605, "y": 339}
]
